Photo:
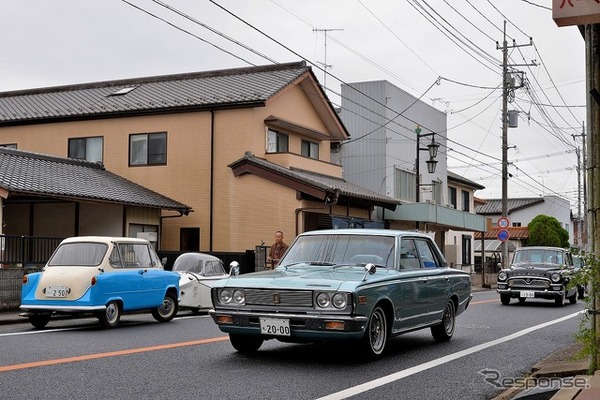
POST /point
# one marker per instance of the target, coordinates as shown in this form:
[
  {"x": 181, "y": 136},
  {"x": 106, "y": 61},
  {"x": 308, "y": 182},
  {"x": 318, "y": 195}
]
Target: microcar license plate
[
  {"x": 527, "y": 293},
  {"x": 275, "y": 326},
  {"x": 56, "y": 291}
]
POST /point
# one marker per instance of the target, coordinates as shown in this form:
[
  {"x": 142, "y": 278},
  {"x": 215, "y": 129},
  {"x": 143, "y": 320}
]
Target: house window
[
  {"x": 405, "y": 183},
  {"x": 89, "y": 148},
  {"x": 516, "y": 224},
  {"x": 310, "y": 149},
  {"x": 452, "y": 196},
  {"x": 466, "y": 249},
  {"x": 277, "y": 142},
  {"x": 148, "y": 148},
  {"x": 189, "y": 239},
  {"x": 466, "y": 201},
  {"x": 9, "y": 145}
]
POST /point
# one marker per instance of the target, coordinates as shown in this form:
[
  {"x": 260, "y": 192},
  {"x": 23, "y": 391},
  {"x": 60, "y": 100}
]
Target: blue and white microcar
[{"x": 104, "y": 276}]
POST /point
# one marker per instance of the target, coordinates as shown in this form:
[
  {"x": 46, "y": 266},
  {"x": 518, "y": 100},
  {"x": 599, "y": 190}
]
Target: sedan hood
[{"x": 306, "y": 277}]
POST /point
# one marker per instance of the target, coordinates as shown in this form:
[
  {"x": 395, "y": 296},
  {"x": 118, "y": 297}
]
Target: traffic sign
[
  {"x": 502, "y": 235},
  {"x": 503, "y": 222}
]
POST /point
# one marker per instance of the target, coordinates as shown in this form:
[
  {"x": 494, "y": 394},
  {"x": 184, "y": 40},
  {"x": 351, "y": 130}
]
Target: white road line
[
  {"x": 437, "y": 362},
  {"x": 80, "y": 328}
]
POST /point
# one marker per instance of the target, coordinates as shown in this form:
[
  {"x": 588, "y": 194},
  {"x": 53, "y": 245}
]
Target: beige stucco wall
[{"x": 247, "y": 209}]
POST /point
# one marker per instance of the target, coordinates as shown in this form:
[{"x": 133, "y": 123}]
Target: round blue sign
[{"x": 503, "y": 235}]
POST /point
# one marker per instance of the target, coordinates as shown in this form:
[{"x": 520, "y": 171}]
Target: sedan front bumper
[{"x": 304, "y": 326}]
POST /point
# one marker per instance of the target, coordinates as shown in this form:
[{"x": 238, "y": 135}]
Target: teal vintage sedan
[{"x": 357, "y": 285}]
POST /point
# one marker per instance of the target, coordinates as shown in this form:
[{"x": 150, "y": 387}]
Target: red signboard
[{"x": 575, "y": 12}]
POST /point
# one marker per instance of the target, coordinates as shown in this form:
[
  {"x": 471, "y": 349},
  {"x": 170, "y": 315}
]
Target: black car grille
[
  {"x": 291, "y": 298},
  {"x": 529, "y": 283}
]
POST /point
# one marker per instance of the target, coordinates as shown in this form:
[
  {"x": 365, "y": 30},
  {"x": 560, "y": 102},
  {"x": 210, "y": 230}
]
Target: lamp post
[{"x": 432, "y": 148}]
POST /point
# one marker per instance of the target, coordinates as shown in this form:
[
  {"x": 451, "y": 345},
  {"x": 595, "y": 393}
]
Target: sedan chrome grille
[
  {"x": 529, "y": 283},
  {"x": 292, "y": 298}
]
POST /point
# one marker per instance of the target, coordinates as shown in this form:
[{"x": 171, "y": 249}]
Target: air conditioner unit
[
  {"x": 430, "y": 201},
  {"x": 450, "y": 205}
]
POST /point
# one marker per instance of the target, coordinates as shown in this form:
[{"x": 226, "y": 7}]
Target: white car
[{"x": 198, "y": 273}]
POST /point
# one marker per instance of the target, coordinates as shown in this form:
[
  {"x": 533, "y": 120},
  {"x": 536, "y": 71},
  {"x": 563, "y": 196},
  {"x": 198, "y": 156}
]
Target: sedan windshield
[
  {"x": 546, "y": 256},
  {"x": 341, "y": 249},
  {"x": 78, "y": 254}
]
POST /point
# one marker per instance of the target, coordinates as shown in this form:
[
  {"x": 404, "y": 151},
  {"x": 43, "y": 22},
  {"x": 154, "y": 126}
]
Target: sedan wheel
[
  {"x": 559, "y": 301},
  {"x": 167, "y": 310},
  {"x": 505, "y": 299},
  {"x": 39, "y": 320},
  {"x": 245, "y": 343},
  {"x": 444, "y": 331},
  {"x": 376, "y": 335},
  {"x": 573, "y": 298},
  {"x": 109, "y": 318}
]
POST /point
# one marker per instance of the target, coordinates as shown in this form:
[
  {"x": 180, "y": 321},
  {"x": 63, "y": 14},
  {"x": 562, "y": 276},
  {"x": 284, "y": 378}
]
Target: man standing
[{"x": 277, "y": 250}]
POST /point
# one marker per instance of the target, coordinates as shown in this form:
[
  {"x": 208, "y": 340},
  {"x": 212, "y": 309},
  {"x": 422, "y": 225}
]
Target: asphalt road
[{"x": 189, "y": 358}]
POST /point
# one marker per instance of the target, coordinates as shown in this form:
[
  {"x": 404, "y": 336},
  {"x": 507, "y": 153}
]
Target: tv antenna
[{"x": 324, "y": 63}]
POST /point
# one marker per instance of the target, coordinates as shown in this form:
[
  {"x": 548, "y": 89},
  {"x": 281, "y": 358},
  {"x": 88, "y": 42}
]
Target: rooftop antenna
[{"x": 324, "y": 64}]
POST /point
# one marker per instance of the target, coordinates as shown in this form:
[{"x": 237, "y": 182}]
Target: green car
[{"x": 357, "y": 285}]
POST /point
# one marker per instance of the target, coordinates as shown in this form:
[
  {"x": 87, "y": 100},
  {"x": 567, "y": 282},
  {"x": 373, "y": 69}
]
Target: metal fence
[{"x": 26, "y": 251}]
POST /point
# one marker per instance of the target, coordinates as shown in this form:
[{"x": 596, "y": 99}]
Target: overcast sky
[{"x": 411, "y": 43}]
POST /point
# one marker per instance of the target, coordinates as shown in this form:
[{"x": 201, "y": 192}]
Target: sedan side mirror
[
  {"x": 370, "y": 269},
  {"x": 234, "y": 268}
]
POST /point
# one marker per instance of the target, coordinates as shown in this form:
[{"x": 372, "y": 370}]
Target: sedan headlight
[
  {"x": 502, "y": 275},
  {"x": 232, "y": 296},
  {"x": 332, "y": 300},
  {"x": 555, "y": 277},
  {"x": 340, "y": 300},
  {"x": 225, "y": 296},
  {"x": 239, "y": 297},
  {"x": 323, "y": 300}
]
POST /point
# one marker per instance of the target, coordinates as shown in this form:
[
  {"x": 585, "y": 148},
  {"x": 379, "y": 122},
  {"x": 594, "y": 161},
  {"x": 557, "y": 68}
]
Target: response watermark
[{"x": 495, "y": 379}]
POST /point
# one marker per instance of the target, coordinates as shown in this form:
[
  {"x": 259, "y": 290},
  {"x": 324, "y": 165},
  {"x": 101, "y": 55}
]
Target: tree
[{"x": 547, "y": 231}]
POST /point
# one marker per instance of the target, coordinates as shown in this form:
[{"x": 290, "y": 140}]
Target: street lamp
[{"x": 432, "y": 148}]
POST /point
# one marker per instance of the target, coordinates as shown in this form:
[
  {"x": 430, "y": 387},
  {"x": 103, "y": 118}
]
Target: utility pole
[
  {"x": 507, "y": 86},
  {"x": 324, "y": 63},
  {"x": 582, "y": 217}
]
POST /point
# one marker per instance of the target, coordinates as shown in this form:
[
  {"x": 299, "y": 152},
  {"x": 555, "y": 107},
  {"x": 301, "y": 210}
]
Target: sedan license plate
[
  {"x": 527, "y": 293},
  {"x": 275, "y": 326},
  {"x": 57, "y": 291}
]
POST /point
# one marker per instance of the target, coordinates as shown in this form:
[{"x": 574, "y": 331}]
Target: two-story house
[
  {"x": 460, "y": 244},
  {"x": 247, "y": 149}
]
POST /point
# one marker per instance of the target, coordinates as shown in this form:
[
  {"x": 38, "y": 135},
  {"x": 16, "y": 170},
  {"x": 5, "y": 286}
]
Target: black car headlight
[
  {"x": 502, "y": 275},
  {"x": 555, "y": 277}
]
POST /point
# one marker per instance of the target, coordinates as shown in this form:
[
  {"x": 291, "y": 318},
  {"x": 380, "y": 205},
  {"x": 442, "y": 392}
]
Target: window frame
[
  {"x": 311, "y": 148},
  {"x": 277, "y": 135},
  {"x": 85, "y": 148},
  {"x": 148, "y": 155}
]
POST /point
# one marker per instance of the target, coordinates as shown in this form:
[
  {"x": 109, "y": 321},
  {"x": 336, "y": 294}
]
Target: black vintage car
[{"x": 538, "y": 272}]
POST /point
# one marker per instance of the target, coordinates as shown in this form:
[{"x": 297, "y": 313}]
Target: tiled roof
[
  {"x": 192, "y": 91},
  {"x": 324, "y": 183},
  {"x": 494, "y": 206},
  {"x": 32, "y": 174},
  {"x": 514, "y": 232}
]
